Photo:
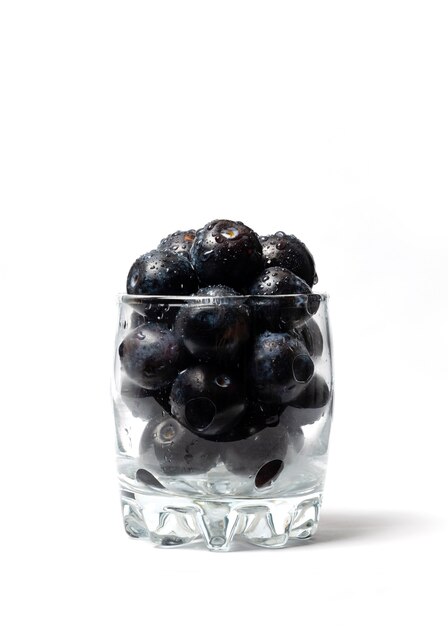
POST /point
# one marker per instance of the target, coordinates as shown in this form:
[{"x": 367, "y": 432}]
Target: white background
[{"x": 123, "y": 121}]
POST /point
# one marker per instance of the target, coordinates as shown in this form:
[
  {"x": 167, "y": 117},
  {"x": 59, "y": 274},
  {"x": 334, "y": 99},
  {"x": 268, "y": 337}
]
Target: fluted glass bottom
[{"x": 171, "y": 521}]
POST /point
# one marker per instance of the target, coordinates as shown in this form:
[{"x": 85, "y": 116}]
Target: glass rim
[{"x": 128, "y": 298}]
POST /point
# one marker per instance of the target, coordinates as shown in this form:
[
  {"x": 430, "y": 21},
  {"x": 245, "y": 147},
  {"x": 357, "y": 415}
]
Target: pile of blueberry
[{"x": 231, "y": 370}]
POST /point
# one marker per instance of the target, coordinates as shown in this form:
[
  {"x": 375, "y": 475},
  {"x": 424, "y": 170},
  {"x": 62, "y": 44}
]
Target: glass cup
[{"x": 223, "y": 409}]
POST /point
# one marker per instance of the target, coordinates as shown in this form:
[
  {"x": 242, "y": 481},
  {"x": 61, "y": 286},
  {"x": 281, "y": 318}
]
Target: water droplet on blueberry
[{"x": 206, "y": 255}]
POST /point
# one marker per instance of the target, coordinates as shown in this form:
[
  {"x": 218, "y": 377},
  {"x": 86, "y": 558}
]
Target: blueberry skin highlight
[
  {"x": 228, "y": 253},
  {"x": 281, "y": 250},
  {"x": 161, "y": 272},
  {"x": 151, "y": 356},
  {"x": 207, "y": 400},
  {"x": 280, "y": 367},
  {"x": 217, "y": 330},
  {"x": 168, "y": 446},
  {"x": 179, "y": 242}
]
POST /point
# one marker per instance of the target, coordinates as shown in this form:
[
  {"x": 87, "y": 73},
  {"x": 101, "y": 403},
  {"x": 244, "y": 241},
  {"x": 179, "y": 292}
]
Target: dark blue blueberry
[
  {"x": 162, "y": 312},
  {"x": 280, "y": 367},
  {"x": 226, "y": 253},
  {"x": 282, "y": 313},
  {"x": 162, "y": 397},
  {"x": 276, "y": 281},
  {"x": 207, "y": 400},
  {"x": 217, "y": 293},
  {"x": 151, "y": 356},
  {"x": 309, "y": 406},
  {"x": 179, "y": 242},
  {"x": 258, "y": 416},
  {"x": 265, "y": 414},
  {"x": 281, "y": 250},
  {"x": 311, "y": 336},
  {"x": 174, "y": 450},
  {"x": 138, "y": 400},
  {"x": 145, "y": 403},
  {"x": 135, "y": 319},
  {"x": 159, "y": 310},
  {"x": 214, "y": 329},
  {"x": 250, "y": 457},
  {"x": 247, "y": 426},
  {"x": 161, "y": 272}
]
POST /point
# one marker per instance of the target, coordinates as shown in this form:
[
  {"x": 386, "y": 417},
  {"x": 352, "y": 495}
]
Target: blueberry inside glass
[{"x": 222, "y": 388}]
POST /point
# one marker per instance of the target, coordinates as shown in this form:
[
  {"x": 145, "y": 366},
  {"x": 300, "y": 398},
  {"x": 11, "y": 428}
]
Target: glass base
[{"x": 169, "y": 520}]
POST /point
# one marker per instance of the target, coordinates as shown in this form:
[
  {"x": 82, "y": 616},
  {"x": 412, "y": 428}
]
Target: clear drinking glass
[{"x": 223, "y": 410}]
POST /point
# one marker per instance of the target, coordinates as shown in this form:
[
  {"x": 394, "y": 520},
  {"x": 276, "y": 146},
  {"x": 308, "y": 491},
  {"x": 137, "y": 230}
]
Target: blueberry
[
  {"x": 136, "y": 398},
  {"x": 161, "y": 272},
  {"x": 145, "y": 403},
  {"x": 179, "y": 242},
  {"x": 309, "y": 406},
  {"x": 135, "y": 320},
  {"x": 176, "y": 450},
  {"x": 265, "y": 414},
  {"x": 159, "y": 310},
  {"x": 129, "y": 389},
  {"x": 151, "y": 356},
  {"x": 258, "y": 416},
  {"x": 282, "y": 313},
  {"x": 219, "y": 293},
  {"x": 280, "y": 367},
  {"x": 275, "y": 281},
  {"x": 162, "y": 312},
  {"x": 242, "y": 430},
  {"x": 247, "y": 426},
  {"x": 226, "y": 252},
  {"x": 162, "y": 397},
  {"x": 262, "y": 455},
  {"x": 214, "y": 330},
  {"x": 207, "y": 400},
  {"x": 281, "y": 250},
  {"x": 311, "y": 336}
]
